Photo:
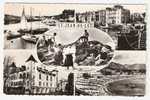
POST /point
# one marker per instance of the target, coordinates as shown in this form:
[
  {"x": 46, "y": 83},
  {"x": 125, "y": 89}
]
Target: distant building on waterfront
[
  {"x": 114, "y": 15},
  {"x": 67, "y": 15},
  {"x": 100, "y": 17},
  {"x": 117, "y": 15},
  {"x": 103, "y": 17},
  {"x": 31, "y": 78},
  {"x": 86, "y": 17}
]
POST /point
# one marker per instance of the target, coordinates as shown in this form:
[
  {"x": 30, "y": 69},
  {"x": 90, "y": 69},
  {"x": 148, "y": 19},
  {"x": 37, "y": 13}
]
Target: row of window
[
  {"x": 26, "y": 75},
  {"x": 16, "y": 83},
  {"x": 43, "y": 84},
  {"x": 19, "y": 83},
  {"x": 43, "y": 90},
  {"x": 19, "y": 76},
  {"x": 47, "y": 77}
]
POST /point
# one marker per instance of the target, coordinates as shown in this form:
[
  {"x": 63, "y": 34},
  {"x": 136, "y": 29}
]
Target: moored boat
[
  {"x": 33, "y": 31},
  {"x": 29, "y": 38}
]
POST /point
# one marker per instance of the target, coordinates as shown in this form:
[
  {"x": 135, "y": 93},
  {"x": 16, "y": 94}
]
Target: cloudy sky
[
  {"x": 130, "y": 57},
  {"x": 54, "y": 9},
  {"x": 19, "y": 56}
]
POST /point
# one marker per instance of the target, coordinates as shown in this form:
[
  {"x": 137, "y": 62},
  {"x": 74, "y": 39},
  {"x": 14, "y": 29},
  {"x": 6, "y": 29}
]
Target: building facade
[
  {"x": 34, "y": 79},
  {"x": 100, "y": 17},
  {"x": 113, "y": 15},
  {"x": 86, "y": 17},
  {"x": 117, "y": 15}
]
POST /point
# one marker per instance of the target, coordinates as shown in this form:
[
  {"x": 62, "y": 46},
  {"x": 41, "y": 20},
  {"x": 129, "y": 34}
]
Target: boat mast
[
  {"x": 31, "y": 19},
  {"x": 23, "y": 19},
  {"x": 40, "y": 19}
]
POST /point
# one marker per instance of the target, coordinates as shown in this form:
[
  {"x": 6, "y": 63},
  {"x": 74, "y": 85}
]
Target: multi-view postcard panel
[
  {"x": 124, "y": 76},
  {"x": 76, "y": 49}
]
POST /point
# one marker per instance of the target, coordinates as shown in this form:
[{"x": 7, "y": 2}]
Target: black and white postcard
[{"x": 74, "y": 49}]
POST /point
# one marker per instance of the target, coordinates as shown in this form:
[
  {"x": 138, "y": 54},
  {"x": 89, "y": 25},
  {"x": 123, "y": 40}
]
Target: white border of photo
[{"x": 3, "y": 96}]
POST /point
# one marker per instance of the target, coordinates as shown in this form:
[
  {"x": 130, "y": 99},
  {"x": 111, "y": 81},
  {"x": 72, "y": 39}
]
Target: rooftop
[{"x": 31, "y": 58}]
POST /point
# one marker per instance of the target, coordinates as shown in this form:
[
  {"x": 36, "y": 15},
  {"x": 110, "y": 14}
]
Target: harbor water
[{"x": 19, "y": 43}]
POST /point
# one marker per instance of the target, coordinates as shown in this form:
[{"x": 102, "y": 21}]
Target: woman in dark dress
[{"x": 68, "y": 61}]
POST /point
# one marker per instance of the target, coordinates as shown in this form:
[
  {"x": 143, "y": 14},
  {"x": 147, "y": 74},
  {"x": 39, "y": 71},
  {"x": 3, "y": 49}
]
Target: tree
[
  {"x": 7, "y": 61},
  {"x": 70, "y": 85}
]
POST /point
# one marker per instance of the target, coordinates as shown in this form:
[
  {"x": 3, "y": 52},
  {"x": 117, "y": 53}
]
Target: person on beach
[
  {"x": 59, "y": 55},
  {"x": 68, "y": 61},
  {"x": 86, "y": 34},
  {"x": 42, "y": 41},
  {"x": 104, "y": 56},
  {"x": 52, "y": 41}
]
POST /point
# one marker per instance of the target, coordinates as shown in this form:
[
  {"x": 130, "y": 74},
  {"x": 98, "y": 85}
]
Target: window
[
  {"x": 51, "y": 78},
  {"x": 27, "y": 83},
  {"x": 11, "y": 83},
  {"x": 37, "y": 90},
  {"x": 39, "y": 83},
  {"x": 20, "y": 76},
  {"x": 24, "y": 75},
  {"x": 47, "y": 77},
  {"x": 39, "y": 76},
  {"x": 27, "y": 75}
]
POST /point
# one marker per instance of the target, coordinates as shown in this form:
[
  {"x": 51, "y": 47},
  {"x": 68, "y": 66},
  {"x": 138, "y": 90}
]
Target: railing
[{"x": 74, "y": 25}]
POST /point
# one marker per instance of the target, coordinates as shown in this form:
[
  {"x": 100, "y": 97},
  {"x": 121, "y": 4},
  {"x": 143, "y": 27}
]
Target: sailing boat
[
  {"x": 29, "y": 33},
  {"x": 29, "y": 37},
  {"x": 23, "y": 23},
  {"x": 23, "y": 20}
]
